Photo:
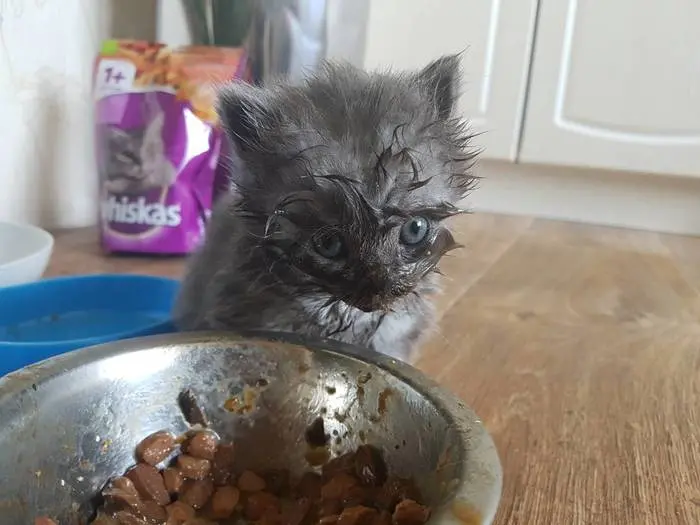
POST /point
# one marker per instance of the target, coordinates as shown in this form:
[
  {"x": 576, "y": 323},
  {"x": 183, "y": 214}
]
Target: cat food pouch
[{"x": 159, "y": 148}]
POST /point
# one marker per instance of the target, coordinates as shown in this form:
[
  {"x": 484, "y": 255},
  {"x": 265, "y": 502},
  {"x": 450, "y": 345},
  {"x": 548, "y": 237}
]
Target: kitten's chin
[{"x": 366, "y": 308}]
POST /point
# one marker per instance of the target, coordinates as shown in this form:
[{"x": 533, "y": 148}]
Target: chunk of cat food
[
  {"x": 251, "y": 482},
  {"x": 222, "y": 465},
  {"x": 196, "y": 492},
  {"x": 124, "y": 517},
  {"x": 179, "y": 512},
  {"x": 309, "y": 486},
  {"x": 104, "y": 519},
  {"x": 408, "y": 512},
  {"x": 198, "y": 520},
  {"x": 124, "y": 484},
  {"x": 338, "y": 486},
  {"x": 344, "y": 464},
  {"x": 149, "y": 483},
  {"x": 224, "y": 502},
  {"x": 328, "y": 520},
  {"x": 357, "y": 515},
  {"x": 151, "y": 511},
  {"x": 193, "y": 468},
  {"x": 44, "y": 521},
  {"x": 369, "y": 466},
  {"x": 394, "y": 490},
  {"x": 383, "y": 517},
  {"x": 357, "y": 495},
  {"x": 259, "y": 503},
  {"x": 156, "y": 447},
  {"x": 270, "y": 517},
  {"x": 173, "y": 480},
  {"x": 296, "y": 512},
  {"x": 330, "y": 507},
  {"x": 202, "y": 445},
  {"x": 277, "y": 481},
  {"x": 121, "y": 492}
]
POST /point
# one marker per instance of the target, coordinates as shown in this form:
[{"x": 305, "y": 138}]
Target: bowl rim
[
  {"x": 87, "y": 342},
  {"x": 481, "y": 458},
  {"x": 48, "y": 241}
]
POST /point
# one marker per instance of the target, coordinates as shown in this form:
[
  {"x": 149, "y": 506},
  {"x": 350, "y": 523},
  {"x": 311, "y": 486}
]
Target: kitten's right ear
[
  {"x": 441, "y": 79},
  {"x": 245, "y": 112}
]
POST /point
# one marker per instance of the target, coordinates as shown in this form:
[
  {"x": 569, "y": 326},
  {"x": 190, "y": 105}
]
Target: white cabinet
[
  {"x": 496, "y": 37},
  {"x": 616, "y": 85},
  {"x": 584, "y": 83}
]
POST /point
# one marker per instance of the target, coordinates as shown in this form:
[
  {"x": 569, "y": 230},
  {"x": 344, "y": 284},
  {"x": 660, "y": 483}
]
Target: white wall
[{"x": 47, "y": 48}]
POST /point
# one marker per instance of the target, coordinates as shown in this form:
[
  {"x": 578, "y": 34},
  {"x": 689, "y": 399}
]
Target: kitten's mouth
[
  {"x": 377, "y": 297},
  {"x": 372, "y": 304}
]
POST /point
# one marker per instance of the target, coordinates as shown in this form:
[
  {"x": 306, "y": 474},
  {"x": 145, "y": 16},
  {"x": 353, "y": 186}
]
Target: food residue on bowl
[
  {"x": 315, "y": 434},
  {"x": 466, "y": 513},
  {"x": 243, "y": 403},
  {"x": 364, "y": 378},
  {"x": 191, "y": 409},
  {"x": 317, "y": 439},
  {"x": 384, "y": 396}
]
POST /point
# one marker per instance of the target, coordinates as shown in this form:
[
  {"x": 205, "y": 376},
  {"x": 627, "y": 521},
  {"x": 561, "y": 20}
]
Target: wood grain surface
[{"x": 578, "y": 346}]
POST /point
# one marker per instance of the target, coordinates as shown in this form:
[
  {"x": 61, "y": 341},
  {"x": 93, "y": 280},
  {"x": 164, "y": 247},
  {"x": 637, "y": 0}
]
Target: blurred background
[{"x": 590, "y": 109}]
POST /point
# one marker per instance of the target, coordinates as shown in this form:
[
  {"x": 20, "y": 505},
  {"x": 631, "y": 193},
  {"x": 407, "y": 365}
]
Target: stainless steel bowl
[{"x": 70, "y": 423}]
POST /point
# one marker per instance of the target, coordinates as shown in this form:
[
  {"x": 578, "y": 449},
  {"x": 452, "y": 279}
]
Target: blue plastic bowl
[{"x": 50, "y": 317}]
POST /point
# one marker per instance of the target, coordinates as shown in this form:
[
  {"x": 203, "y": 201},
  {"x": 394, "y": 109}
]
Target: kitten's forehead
[
  {"x": 376, "y": 129},
  {"x": 351, "y": 105},
  {"x": 392, "y": 134}
]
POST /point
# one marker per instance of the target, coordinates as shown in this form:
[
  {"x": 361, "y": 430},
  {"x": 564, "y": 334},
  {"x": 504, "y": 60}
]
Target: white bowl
[{"x": 25, "y": 251}]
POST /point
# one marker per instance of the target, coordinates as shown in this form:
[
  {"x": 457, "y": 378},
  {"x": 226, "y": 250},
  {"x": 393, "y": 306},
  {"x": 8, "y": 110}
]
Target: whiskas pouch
[{"x": 159, "y": 148}]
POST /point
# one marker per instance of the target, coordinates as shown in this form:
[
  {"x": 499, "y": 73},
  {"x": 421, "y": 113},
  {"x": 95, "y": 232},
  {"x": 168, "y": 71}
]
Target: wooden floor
[{"x": 578, "y": 346}]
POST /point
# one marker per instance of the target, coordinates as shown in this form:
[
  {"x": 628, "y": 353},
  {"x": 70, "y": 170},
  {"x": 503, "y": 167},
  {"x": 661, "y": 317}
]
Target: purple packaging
[{"x": 159, "y": 148}]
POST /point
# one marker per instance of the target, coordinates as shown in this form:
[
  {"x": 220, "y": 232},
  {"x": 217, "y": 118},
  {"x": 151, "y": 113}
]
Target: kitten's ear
[
  {"x": 245, "y": 111},
  {"x": 441, "y": 79}
]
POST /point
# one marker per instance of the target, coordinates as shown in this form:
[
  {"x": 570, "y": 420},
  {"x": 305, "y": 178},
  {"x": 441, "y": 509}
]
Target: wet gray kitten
[{"x": 333, "y": 227}]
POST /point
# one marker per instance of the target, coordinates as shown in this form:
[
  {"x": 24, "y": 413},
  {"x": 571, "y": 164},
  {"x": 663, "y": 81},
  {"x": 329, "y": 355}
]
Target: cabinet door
[
  {"x": 616, "y": 85},
  {"x": 496, "y": 37}
]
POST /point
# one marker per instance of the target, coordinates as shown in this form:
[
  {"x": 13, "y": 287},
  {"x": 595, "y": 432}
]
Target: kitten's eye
[
  {"x": 414, "y": 230},
  {"x": 329, "y": 246}
]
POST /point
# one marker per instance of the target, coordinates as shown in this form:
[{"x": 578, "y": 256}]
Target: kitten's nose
[
  {"x": 377, "y": 290},
  {"x": 375, "y": 283}
]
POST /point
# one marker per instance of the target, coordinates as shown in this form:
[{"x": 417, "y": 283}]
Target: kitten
[
  {"x": 333, "y": 227},
  {"x": 135, "y": 159}
]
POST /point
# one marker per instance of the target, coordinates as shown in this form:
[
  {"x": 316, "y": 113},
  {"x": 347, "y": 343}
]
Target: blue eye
[
  {"x": 329, "y": 246},
  {"x": 414, "y": 230}
]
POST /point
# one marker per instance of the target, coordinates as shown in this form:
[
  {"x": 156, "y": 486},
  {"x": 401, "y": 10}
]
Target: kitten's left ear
[
  {"x": 441, "y": 79},
  {"x": 245, "y": 112}
]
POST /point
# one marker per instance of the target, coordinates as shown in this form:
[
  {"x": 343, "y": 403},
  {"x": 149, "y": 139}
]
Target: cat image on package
[{"x": 134, "y": 160}]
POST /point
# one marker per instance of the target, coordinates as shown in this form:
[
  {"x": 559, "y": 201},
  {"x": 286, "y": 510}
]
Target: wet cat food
[
  {"x": 197, "y": 483},
  {"x": 159, "y": 148}
]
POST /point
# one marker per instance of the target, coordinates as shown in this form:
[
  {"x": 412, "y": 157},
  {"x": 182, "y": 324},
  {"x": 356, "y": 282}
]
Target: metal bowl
[{"x": 72, "y": 422}]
